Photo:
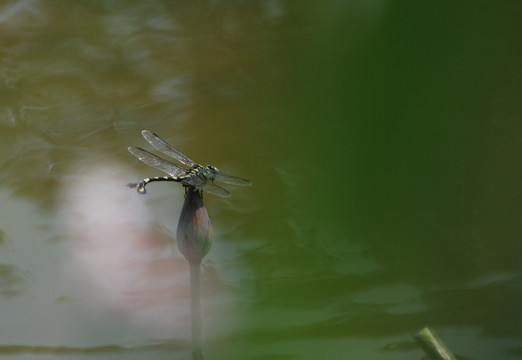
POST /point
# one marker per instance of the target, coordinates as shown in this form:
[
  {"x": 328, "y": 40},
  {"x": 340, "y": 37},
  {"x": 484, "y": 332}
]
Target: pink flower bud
[{"x": 194, "y": 234}]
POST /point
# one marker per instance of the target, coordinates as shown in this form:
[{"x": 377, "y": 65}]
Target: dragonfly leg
[{"x": 140, "y": 186}]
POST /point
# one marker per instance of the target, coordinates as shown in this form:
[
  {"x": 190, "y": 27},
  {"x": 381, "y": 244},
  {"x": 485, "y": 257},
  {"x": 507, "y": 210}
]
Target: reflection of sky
[{"x": 117, "y": 262}]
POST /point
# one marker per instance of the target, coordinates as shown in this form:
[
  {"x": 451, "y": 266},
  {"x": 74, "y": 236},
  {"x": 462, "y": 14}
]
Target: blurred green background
[{"x": 382, "y": 138}]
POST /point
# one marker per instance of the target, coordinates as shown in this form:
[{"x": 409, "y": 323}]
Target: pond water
[{"x": 383, "y": 141}]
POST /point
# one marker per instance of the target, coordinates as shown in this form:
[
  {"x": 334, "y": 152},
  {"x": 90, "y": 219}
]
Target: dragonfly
[{"x": 191, "y": 175}]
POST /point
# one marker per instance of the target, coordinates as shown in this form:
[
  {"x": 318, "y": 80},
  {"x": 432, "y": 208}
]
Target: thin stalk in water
[{"x": 194, "y": 239}]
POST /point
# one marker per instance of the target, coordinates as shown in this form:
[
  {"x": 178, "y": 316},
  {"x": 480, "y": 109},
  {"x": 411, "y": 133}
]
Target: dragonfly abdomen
[{"x": 140, "y": 186}]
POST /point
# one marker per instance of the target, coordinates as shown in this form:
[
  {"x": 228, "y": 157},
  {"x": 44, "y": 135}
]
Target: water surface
[{"x": 382, "y": 140}]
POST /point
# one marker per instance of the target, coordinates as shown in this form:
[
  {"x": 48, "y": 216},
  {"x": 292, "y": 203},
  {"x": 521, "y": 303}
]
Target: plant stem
[
  {"x": 433, "y": 345},
  {"x": 195, "y": 308}
]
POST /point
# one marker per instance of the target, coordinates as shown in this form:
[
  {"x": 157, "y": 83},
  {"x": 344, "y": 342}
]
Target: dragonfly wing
[
  {"x": 157, "y": 162},
  {"x": 161, "y": 145},
  {"x": 194, "y": 181},
  {"x": 229, "y": 179},
  {"x": 215, "y": 190}
]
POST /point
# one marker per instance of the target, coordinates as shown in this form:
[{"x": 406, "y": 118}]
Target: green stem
[
  {"x": 433, "y": 345},
  {"x": 195, "y": 302}
]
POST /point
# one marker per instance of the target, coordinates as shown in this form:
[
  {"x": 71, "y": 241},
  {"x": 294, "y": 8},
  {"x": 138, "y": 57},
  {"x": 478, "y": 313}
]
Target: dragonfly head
[{"x": 211, "y": 172}]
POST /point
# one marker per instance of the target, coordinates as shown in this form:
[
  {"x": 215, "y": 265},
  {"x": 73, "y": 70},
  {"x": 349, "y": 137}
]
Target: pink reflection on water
[{"x": 116, "y": 262}]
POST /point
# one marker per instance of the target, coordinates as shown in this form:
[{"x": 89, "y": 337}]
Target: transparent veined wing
[
  {"x": 161, "y": 145},
  {"x": 157, "y": 162},
  {"x": 215, "y": 190},
  {"x": 197, "y": 181},
  {"x": 229, "y": 179}
]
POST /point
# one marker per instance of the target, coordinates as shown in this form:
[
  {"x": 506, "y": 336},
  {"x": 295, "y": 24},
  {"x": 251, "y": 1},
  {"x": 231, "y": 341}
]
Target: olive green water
[{"x": 383, "y": 141}]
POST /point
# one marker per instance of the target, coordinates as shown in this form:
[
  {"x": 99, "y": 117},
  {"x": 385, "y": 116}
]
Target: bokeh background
[{"x": 383, "y": 140}]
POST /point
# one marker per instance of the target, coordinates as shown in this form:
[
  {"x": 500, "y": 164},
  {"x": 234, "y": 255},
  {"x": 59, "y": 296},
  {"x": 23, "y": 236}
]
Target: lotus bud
[{"x": 194, "y": 234}]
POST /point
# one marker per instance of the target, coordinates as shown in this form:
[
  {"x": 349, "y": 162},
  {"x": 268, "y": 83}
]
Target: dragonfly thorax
[{"x": 209, "y": 172}]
